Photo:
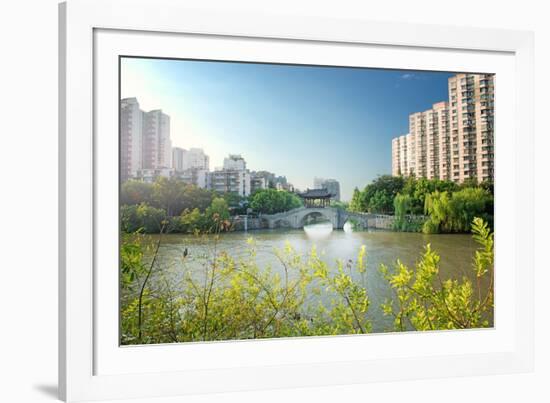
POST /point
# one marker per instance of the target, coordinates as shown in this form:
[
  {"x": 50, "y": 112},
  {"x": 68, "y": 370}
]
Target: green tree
[
  {"x": 195, "y": 197},
  {"x": 358, "y": 202},
  {"x": 174, "y": 196},
  {"x": 217, "y": 216},
  {"x": 404, "y": 221},
  {"x": 340, "y": 204},
  {"x": 377, "y": 197},
  {"x": 418, "y": 189},
  {"x": 469, "y": 183},
  {"x": 142, "y": 218},
  {"x": 237, "y": 204},
  {"x": 191, "y": 221},
  {"x": 271, "y": 201},
  {"x": 454, "y": 212},
  {"x": 168, "y": 193},
  {"x": 381, "y": 202},
  {"x": 489, "y": 186},
  {"x": 136, "y": 192}
]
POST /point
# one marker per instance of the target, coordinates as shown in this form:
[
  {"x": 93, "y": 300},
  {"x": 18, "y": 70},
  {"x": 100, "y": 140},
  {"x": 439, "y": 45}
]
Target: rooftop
[{"x": 315, "y": 194}]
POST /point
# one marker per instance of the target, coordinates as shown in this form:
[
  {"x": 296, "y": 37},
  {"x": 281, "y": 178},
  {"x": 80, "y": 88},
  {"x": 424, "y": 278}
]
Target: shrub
[
  {"x": 141, "y": 217},
  {"x": 425, "y": 301}
]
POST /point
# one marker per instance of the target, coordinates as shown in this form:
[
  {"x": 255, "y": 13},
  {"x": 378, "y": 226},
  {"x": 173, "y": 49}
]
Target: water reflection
[
  {"x": 348, "y": 227},
  {"x": 319, "y": 230}
]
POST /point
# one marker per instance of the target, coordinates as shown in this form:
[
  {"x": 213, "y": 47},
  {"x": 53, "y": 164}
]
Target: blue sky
[{"x": 297, "y": 121}]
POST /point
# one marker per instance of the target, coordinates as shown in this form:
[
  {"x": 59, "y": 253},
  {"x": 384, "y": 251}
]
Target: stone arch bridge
[{"x": 298, "y": 217}]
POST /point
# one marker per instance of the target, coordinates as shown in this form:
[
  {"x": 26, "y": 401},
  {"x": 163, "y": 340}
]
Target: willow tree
[{"x": 454, "y": 212}]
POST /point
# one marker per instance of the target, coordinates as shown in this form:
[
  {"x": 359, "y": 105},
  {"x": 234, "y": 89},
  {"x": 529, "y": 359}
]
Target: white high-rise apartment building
[
  {"x": 195, "y": 158},
  {"x": 130, "y": 138},
  {"x": 452, "y": 140},
  {"x": 233, "y": 177},
  {"x": 400, "y": 155},
  {"x": 472, "y": 131},
  {"x": 157, "y": 146},
  {"x": 191, "y": 166},
  {"x": 417, "y": 133},
  {"x": 231, "y": 181},
  {"x": 145, "y": 145},
  {"x": 177, "y": 158},
  {"x": 442, "y": 123},
  {"x": 437, "y": 129},
  {"x": 198, "y": 177}
]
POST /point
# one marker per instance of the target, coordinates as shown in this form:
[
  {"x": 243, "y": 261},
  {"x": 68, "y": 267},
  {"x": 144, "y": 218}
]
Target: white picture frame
[{"x": 92, "y": 366}]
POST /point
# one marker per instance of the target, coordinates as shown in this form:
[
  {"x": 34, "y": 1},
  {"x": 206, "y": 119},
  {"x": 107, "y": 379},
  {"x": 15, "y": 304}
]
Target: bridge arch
[
  {"x": 281, "y": 223},
  {"x": 315, "y": 214}
]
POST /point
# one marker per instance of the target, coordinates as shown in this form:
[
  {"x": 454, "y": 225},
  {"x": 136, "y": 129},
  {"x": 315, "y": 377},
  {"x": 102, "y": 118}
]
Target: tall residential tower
[
  {"x": 472, "y": 126},
  {"x": 131, "y": 120},
  {"x": 453, "y": 140},
  {"x": 157, "y": 147},
  {"x": 145, "y": 145}
]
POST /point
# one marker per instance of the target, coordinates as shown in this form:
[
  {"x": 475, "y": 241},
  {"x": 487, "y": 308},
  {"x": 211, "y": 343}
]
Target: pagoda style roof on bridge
[{"x": 315, "y": 194}]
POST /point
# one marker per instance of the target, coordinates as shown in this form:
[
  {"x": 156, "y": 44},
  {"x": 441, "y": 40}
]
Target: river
[{"x": 456, "y": 251}]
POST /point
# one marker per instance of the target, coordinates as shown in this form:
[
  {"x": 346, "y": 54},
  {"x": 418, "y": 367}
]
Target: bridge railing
[{"x": 282, "y": 213}]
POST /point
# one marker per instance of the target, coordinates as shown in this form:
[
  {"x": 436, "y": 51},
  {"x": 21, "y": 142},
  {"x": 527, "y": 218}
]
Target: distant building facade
[
  {"x": 233, "y": 177},
  {"x": 331, "y": 185},
  {"x": 146, "y": 153},
  {"x": 257, "y": 183},
  {"x": 195, "y": 158},
  {"x": 453, "y": 140},
  {"x": 157, "y": 146},
  {"x": 472, "y": 126},
  {"x": 131, "y": 137},
  {"x": 231, "y": 181},
  {"x": 400, "y": 155},
  {"x": 194, "y": 176},
  {"x": 191, "y": 166},
  {"x": 149, "y": 175},
  {"x": 145, "y": 144},
  {"x": 272, "y": 180},
  {"x": 234, "y": 162},
  {"x": 177, "y": 158},
  {"x": 289, "y": 187}
]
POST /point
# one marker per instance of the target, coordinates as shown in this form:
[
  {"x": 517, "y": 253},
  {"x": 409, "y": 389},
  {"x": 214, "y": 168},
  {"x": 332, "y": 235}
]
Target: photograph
[
  {"x": 275, "y": 201},
  {"x": 264, "y": 200}
]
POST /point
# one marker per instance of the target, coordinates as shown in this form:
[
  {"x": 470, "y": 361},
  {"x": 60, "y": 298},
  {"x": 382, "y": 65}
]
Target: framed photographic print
[{"x": 251, "y": 201}]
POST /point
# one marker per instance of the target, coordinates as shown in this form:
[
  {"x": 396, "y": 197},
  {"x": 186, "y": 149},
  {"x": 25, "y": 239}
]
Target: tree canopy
[
  {"x": 454, "y": 212},
  {"x": 271, "y": 201},
  {"x": 377, "y": 197},
  {"x": 170, "y": 194}
]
